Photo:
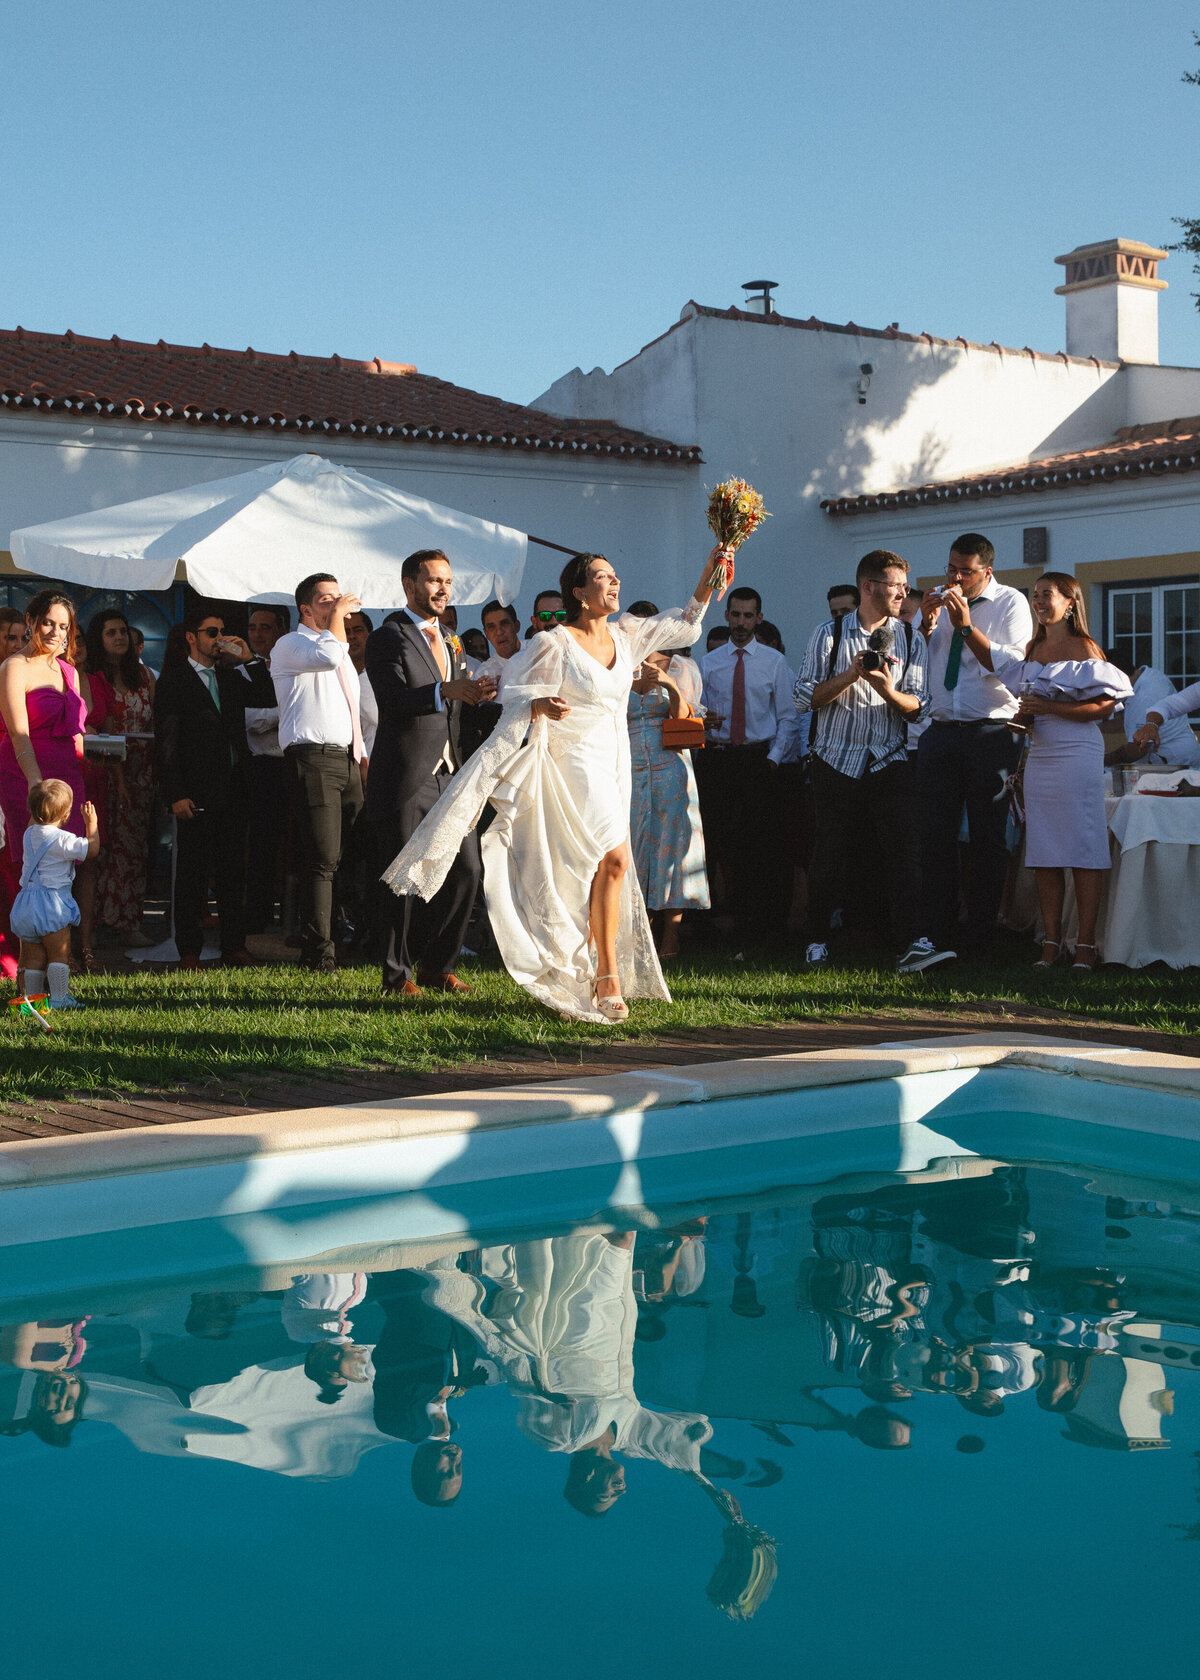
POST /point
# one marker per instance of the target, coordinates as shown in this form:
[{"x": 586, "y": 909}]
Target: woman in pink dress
[
  {"x": 43, "y": 714},
  {"x": 12, "y": 639},
  {"x": 127, "y": 689}
]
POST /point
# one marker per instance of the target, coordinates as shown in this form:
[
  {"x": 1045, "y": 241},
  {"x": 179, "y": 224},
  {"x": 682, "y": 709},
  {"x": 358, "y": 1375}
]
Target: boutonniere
[{"x": 456, "y": 645}]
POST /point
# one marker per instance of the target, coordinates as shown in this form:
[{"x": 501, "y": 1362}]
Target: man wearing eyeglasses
[
  {"x": 203, "y": 762},
  {"x": 548, "y": 611},
  {"x": 968, "y": 750}
]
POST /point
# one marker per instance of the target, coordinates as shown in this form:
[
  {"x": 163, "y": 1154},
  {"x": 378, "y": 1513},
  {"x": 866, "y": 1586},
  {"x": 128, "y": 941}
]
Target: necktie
[
  {"x": 210, "y": 677},
  {"x": 737, "y": 711},
  {"x": 953, "y": 660},
  {"x": 436, "y": 648},
  {"x": 356, "y": 739}
]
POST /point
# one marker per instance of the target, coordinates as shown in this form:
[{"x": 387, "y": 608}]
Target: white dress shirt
[
  {"x": 312, "y": 702},
  {"x": 770, "y": 711},
  {"x": 1176, "y": 743},
  {"x": 1003, "y": 615}
]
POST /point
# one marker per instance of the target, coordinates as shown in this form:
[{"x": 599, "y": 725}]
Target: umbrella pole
[{"x": 542, "y": 543}]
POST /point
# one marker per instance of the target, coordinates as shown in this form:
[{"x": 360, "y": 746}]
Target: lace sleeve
[
  {"x": 679, "y": 627},
  {"x": 537, "y": 671}
]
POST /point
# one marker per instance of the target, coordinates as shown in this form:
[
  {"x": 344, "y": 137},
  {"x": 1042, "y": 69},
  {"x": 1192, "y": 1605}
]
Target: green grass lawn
[{"x": 154, "y": 1031}]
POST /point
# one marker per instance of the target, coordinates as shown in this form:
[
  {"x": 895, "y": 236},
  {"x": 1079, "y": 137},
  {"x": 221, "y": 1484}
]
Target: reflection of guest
[
  {"x": 422, "y": 1356},
  {"x": 47, "y": 1404}
]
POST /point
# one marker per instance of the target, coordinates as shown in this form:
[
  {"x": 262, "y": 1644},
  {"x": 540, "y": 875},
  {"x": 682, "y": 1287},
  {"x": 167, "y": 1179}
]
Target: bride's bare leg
[{"x": 604, "y": 908}]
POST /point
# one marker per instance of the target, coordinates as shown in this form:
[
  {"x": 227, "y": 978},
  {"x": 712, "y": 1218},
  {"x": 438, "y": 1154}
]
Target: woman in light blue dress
[{"x": 665, "y": 834}]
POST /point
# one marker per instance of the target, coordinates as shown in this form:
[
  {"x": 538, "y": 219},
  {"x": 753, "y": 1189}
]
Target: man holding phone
[{"x": 200, "y": 742}]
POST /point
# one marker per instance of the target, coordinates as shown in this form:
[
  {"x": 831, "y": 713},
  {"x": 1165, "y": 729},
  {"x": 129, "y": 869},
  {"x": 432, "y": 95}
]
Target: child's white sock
[
  {"x": 35, "y": 981},
  {"x": 59, "y": 975}
]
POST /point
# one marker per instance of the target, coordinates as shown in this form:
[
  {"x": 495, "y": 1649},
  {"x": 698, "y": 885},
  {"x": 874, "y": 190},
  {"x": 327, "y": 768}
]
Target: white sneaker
[
  {"x": 922, "y": 954},
  {"x": 816, "y": 955}
]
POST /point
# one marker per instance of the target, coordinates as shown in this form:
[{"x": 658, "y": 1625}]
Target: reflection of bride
[
  {"x": 556, "y": 769},
  {"x": 558, "y": 1316}
]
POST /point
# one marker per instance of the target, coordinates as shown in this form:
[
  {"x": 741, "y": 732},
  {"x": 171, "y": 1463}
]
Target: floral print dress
[{"x": 122, "y": 883}]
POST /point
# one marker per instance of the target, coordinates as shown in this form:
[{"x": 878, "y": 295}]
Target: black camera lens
[{"x": 872, "y": 661}]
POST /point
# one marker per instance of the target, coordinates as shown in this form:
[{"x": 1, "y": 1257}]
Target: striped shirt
[{"x": 859, "y": 732}]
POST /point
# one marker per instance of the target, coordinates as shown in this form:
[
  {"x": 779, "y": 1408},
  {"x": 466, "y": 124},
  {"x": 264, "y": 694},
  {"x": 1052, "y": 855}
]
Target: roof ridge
[
  {"x": 1123, "y": 456},
  {"x": 74, "y": 340},
  {"x": 814, "y": 324}
]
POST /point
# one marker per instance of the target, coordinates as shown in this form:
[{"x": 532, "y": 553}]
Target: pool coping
[{"x": 515, "y": 1107}]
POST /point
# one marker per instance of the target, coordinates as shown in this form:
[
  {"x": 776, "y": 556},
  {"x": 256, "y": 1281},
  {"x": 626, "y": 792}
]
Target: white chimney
[{"x": 1112, "y": 300}]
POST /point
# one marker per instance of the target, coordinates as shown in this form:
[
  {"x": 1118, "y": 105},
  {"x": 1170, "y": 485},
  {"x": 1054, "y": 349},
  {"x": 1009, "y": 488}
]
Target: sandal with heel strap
[
  {"x": 1057, "y": 945},
  {"x": 1084, "y": 968},
  {"x": 614, "y": 1009}
]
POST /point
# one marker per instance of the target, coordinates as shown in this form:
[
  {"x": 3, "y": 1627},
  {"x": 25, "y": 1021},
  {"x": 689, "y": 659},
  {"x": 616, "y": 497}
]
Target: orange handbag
[{"x": 683, "y": 732}]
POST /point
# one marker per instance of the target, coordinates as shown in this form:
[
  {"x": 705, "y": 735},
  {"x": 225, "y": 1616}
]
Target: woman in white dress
[
  {"x": 557, "y": 771},
  {"x": 1069, "y": 689}
]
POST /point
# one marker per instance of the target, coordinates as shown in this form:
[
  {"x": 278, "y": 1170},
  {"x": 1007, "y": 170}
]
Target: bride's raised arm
[{"x": 678, "y": 627}]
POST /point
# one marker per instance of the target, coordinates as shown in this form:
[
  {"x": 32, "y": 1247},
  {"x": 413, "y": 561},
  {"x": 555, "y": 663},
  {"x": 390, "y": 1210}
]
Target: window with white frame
[{"x": 1157, "y": 624}]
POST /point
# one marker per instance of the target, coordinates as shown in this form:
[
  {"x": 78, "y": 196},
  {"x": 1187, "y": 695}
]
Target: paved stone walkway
[{"x": 210, "y": 1102}]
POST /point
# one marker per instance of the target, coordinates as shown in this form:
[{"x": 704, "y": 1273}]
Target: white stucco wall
[
  {"x": 778, "y": 405},
  {"x": 642, "y": 515}
]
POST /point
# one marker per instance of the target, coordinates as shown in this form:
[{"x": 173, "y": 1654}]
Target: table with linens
[{"x": 1150, "y": 906}]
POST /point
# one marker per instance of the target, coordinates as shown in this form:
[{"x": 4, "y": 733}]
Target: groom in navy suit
[{"x": 420, "y": 682}]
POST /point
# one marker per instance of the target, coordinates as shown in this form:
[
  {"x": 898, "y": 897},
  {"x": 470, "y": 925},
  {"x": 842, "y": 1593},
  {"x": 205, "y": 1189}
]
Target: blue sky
[{"x": 499, "y": 192}]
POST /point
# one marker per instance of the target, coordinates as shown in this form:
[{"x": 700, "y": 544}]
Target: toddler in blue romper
[{"x": 44, "y": 912}]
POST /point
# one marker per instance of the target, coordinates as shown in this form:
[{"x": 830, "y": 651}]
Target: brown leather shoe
[
  {"x": 190, "y": 963},
  {"x": 406, "y": 989},
  {"x": 445, "y": 983},
  {"x": 240, "y": 959}
]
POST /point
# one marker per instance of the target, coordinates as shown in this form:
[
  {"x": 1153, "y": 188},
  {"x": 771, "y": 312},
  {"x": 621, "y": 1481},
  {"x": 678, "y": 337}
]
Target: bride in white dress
[{"x": 556, "y": 858}]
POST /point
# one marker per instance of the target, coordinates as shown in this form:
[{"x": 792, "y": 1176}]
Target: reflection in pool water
[{"x": 849, "y": 1417}]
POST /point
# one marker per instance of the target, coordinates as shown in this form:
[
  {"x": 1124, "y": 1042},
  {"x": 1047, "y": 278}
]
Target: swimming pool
[{"x": 844, "y": 1379}]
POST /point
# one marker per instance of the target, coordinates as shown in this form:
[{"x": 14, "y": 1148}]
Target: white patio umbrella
[{"x": 254, "y": 536}]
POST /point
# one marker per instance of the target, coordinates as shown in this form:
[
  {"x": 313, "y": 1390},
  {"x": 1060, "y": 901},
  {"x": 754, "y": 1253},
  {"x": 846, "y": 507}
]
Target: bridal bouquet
[{"x": 735, "y": 509}]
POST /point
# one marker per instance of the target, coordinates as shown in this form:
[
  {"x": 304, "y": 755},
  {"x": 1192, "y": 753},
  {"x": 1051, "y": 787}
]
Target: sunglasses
[
  {"x": 550, "y": 617},
  {"x": 207, "y": 630}
]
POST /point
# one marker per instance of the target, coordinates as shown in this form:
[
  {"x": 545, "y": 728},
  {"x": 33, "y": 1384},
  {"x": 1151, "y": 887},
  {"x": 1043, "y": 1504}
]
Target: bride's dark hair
[{"x": 575, "y": 576}]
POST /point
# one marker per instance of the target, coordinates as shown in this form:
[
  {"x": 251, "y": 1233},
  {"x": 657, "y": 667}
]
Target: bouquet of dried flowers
[{"x": 735, "y": 509}]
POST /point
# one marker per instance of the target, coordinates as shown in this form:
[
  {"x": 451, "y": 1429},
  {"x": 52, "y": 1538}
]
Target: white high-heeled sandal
[{"x": 613, "y": 1009}]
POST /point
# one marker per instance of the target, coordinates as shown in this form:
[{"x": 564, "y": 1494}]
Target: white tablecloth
[{"x": 1153, "y": 909}]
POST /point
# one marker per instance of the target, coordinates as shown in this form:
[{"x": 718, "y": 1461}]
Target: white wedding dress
[{"x": 561, "y": 791}]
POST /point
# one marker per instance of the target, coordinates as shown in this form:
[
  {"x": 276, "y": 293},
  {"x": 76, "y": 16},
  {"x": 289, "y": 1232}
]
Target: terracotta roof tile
[
  {"x": 1146, "y": 451},
  {"x": 332, "y": 395}
]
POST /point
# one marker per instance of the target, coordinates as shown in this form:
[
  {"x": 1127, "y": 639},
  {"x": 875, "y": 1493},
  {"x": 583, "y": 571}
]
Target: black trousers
[
  {"x": 864, "y": 824},
  {"x": 326, "y": 788},
  {"x": 212, "y": 843},
  {"x": 742, "y": 810},
  {"x": 416, "y": 935},
  {"x": 268, "y": 830},
  {"x": 963, "y": 764}
]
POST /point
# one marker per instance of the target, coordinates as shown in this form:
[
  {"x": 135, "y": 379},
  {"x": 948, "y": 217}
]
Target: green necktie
[
  {"x": 953, "y": 660},
  {"x": 210, "y": 677}
]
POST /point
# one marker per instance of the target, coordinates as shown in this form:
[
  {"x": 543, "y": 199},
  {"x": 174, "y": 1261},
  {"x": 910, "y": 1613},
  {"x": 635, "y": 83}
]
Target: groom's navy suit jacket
[{"x": 413, "y": 734}]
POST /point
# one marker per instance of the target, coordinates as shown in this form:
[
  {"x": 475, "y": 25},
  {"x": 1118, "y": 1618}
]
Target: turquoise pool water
[{"x": 887, "y": 1425}]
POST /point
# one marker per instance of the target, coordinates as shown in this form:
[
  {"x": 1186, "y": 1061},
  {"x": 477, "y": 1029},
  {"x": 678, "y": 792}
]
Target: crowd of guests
[{"x": 944, "y": 729}]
